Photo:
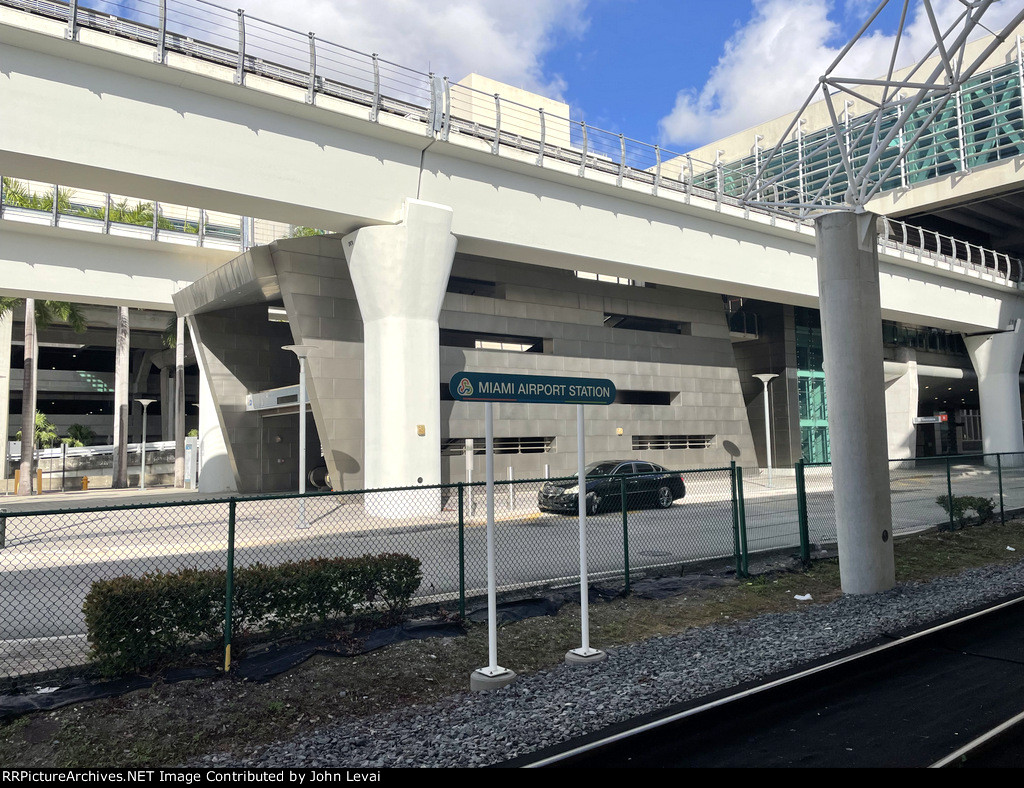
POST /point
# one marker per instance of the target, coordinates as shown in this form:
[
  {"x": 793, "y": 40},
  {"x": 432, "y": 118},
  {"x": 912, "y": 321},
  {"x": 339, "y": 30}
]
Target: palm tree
[
  {"x": 121, "y": 348},
  {"x": 79, "y": 435},
  {"x": 45, "y": 432},
  {"x": 302, "y": 231},
  {"x": 18, "y": 193},
  {"x": 38, "y": 314}
]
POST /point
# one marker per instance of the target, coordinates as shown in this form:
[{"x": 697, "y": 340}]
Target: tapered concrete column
[
  {"x": 215, "y": 472},
  {"x": 851, "y": 323},
  {"x": 996, "y": 359},
  {"x": 400, "y": 273}
]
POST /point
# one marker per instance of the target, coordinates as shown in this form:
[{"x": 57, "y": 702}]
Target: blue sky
[
  {"x": 624, "y": 72},
  {"x": 679, "y": 73}
]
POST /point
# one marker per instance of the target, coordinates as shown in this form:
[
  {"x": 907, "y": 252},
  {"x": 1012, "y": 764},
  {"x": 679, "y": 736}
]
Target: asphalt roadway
[{"x": 49, "y": 562}]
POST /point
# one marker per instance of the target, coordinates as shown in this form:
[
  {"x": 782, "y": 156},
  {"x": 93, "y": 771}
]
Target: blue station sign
[{"x": 487, "y": 387}]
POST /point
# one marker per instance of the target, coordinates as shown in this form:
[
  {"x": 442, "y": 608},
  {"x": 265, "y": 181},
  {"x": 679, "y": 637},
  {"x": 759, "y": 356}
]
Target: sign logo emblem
[{"x": 465, "y": 388}]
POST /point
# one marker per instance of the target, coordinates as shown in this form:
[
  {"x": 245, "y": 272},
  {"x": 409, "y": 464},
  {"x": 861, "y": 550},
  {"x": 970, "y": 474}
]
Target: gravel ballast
[{"x": 548, "y": 707}]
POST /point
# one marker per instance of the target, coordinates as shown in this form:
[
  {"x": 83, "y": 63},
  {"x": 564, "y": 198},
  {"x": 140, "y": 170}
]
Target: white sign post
[
  {"x": 493, "y": 676},
  {"x": 488, "y": 388},
  {"x": 584, "y": 653}
]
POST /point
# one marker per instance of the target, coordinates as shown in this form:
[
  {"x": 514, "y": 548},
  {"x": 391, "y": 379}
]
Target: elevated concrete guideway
[
  {"x": 194, "y": 137},
  {"x": 92, "y": 268}
]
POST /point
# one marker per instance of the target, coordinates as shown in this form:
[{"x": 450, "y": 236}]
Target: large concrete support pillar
[
  {"x": 215, "y": 472},
  {"x": 851, "y": 323},
  {"x": 996, "y": 359},
  {"x": 902, "y": 392},
  {"x": 400, "y": 273},
  {"x": 6, "y": 326}
]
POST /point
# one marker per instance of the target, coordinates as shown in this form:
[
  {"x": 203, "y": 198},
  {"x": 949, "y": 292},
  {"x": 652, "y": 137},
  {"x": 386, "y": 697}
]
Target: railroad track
[{"x": 950, "y": 695}]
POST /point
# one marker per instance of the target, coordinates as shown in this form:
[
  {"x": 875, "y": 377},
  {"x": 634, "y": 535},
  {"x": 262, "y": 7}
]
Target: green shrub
[
  {"x": 396, "y": 580},
  {"x": 136, "y": 623},
  {"x": 982, "y": 507}
]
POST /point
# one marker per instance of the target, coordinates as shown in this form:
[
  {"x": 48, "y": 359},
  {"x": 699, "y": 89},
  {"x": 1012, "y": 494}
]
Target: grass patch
[{"x": 170, "y": 724}]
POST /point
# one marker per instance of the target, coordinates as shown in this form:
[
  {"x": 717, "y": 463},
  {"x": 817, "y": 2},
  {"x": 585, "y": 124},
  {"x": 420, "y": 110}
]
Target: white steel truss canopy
[{"x": 904, "y": 105}]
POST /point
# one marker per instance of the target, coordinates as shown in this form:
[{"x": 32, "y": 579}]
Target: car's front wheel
[
  {"x": 665, "y": 497},
  {"x": 593, "y": 504}
]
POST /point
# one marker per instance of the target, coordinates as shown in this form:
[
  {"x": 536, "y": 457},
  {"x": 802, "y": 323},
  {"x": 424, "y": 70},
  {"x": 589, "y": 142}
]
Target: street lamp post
[
  {"x": 765, "y": 378},
  {"x": 302, "y": 352},
  {"x": 145, "y": 403}
]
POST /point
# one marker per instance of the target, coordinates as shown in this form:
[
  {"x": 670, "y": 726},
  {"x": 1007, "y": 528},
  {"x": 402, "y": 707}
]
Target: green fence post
[
  {"x": 998, "y": 467},
  {"x": 743, "y": 522},
  {"x": 462, "y": 555},
  {"x": 949, "y": 494},
  {"x": 735, "y": 520},
  {"x": 625, "y": 530},
  {"x": 229, "y": 585},
  {"x": 801, "y": 513},
  {"x": 3, "y": 527}
]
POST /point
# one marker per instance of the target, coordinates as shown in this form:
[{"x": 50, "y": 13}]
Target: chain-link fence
[
  {"x": 58, "y": 568},
  {"x": 64, "y": 571},
  {"x": 922, "y": 490}
]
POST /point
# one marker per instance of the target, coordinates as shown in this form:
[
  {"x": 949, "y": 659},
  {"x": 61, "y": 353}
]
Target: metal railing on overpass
[
  {"x": 87, "y": 210},
  {"x": 374, "y": 87}
]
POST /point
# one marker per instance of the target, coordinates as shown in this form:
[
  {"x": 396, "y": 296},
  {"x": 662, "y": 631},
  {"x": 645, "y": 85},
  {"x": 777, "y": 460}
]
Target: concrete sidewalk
[{"x": 93, "y": 499}]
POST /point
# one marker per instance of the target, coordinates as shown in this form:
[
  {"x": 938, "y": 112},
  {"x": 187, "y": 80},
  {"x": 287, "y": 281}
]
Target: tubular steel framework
[{"x": 939, "y": 116}]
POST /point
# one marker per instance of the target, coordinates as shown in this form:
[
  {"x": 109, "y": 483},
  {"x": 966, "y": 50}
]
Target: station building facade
[{"x": 682, "y": 361}]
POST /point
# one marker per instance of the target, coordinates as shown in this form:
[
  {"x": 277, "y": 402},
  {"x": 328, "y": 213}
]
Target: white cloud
[
  {"x": 770, "y": 65},
  {"x": 503, "y": 40}
]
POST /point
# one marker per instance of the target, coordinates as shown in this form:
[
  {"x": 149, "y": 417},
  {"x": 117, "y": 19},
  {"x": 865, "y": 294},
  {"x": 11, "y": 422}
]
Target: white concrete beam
[
  {"x": 92, "y": 268},
  {"x": 117, "y": 121},
  {"x": 508, "y": 213},
  {"x": 112, "y": 122}
]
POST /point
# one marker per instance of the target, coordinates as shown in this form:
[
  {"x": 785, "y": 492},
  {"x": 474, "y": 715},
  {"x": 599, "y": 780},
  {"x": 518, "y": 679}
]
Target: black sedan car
[{"x": 647, "y": 484}]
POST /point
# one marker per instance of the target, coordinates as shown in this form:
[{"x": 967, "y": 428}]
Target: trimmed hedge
[
  {"x": 983, "y": 508},
  {"x": 135, "y": 623}
]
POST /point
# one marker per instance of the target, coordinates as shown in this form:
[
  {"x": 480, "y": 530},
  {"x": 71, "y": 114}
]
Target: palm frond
[
  {"x": 7, "y": 304},
  {"x": 50, "y": 312}
]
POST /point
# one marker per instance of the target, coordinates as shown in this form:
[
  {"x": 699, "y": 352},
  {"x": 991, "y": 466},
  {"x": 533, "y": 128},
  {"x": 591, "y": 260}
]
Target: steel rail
[{"x": 980, "y": 742}]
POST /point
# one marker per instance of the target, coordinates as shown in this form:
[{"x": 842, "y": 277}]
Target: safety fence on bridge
[{"x": 59, "y": 567}]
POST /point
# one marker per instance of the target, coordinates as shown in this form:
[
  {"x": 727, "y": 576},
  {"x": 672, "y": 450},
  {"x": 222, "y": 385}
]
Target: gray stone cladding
[
  {"x": 773, "y": 351},
  {"x": 242, "y": 352},
  {"x": 697, "y": 367},
  {"x": 322, "y": 311}
]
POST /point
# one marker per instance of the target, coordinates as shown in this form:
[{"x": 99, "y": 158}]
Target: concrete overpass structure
[{"x": 408, "y": 174}]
